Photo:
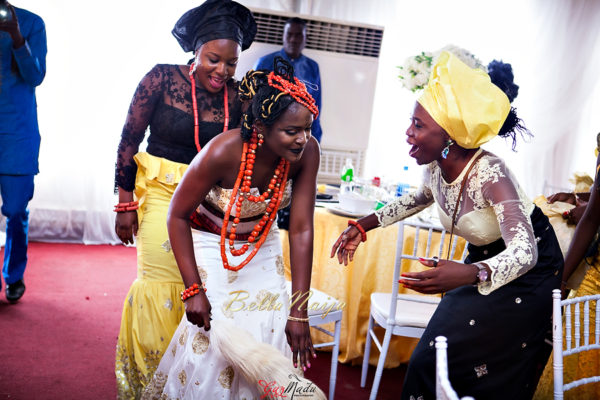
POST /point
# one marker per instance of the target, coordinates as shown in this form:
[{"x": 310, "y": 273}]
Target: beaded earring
[
  {"x": 195, "y": 63},
  {"x": 446, "y": 149},
  {"x": 261, "y": 139}
]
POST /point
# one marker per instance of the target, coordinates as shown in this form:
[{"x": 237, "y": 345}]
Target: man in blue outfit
[
  {"x": 22, "y": 68},
  {"x": 306, "y": 69}
]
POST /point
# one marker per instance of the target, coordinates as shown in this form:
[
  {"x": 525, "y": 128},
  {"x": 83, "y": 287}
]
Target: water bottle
[
  {"x": 403, "y": 186},
  {"x": 346, "y": 177}
]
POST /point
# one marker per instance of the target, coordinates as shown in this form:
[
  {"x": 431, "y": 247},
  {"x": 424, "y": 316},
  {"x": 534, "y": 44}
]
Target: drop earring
[
  {"x": 261, "y": 139},
  {"x": 194, "y": 65},
  {"x": 446, "y": 149}
]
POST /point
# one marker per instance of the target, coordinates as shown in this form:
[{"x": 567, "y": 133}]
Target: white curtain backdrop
[{"x": 98, "y": 52}]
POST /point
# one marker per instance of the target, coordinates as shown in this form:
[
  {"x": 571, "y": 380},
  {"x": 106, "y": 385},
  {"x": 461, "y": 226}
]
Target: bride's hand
[
  {"x": 298, "y": 337},
  {"x": 197, "y": 310}
]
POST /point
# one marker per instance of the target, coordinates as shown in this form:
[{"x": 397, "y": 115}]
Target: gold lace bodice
[
  {"x": 219, "y": 199},
  {"x": 492, "y": 206}
]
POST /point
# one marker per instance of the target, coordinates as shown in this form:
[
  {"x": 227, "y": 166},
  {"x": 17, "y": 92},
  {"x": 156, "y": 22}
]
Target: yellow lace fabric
[{"x": 492, "y": 206}]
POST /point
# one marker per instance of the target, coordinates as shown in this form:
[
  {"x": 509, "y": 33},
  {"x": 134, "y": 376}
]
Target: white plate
[{"x": 335, "y": 209}]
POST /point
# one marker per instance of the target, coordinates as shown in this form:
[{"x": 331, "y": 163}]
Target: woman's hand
[
  {"x": 298, "y": 337},
  {"x": 564, "y": 292},
  {"x": 197, "y": 310},
  {"x": 574, "y": 216},
  {"x": 126, "y": 226},
  {"x": 346, "y": 245},
  {"x": 446, "y": 276},
  {"x": 563, "y": 197}
]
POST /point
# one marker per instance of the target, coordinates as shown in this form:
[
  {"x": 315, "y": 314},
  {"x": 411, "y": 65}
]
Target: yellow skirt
[
  {"x": 581, "y": 365},
  {"x": 152, "y": 309}
]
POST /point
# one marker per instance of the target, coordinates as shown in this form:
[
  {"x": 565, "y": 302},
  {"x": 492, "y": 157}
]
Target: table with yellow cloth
[{"x": 371, "y": 271}]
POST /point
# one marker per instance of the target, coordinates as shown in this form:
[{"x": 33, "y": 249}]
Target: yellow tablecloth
[{"x": 371, "y": 271}]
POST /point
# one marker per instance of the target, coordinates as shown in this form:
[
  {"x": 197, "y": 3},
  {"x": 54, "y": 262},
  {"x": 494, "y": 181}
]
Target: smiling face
[
  {"x": 288, "y": 136},
  {"x": 427, "y": 138},
  {"x": 294, "y": 39},
  {"x": 216, "y": 61}
]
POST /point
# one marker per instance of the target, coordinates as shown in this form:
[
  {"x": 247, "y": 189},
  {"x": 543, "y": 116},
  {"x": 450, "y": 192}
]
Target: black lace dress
[
  {"x": 163, "y": 102},
  {"x": 152, "y": 310}
]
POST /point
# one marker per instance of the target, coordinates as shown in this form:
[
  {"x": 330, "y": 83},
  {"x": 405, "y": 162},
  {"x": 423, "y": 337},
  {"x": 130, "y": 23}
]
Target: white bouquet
[{"x": 415, "y": 71}]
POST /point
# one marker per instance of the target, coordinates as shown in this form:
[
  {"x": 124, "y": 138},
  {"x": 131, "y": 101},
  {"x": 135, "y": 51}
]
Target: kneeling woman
[
  {"x": 497, "y": 306},
  {"x": 233, "y": 189}
]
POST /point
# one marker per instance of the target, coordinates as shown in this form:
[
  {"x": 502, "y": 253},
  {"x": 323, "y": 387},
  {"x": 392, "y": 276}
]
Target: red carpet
[{"x": 58, "y": 341}]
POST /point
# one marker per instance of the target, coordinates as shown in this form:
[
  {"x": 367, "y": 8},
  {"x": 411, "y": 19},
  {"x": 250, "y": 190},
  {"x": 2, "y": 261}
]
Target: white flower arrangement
[{"x": 415, "y": 71}]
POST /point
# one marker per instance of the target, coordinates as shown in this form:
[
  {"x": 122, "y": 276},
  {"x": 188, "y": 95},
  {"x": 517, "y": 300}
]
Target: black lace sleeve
[
  {"x": 147, "y": 95},
  {"x": 236, "y": 108}
]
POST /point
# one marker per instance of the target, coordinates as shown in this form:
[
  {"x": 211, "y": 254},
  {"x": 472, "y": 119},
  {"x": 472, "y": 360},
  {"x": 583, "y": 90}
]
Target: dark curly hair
[
  {"x": 502, "y": 76},
  {"x": 268, "y": 103}
]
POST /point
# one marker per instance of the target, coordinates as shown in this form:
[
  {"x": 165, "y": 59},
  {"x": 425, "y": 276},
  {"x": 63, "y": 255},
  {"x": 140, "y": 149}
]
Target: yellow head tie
[{"x": 464, "y": 102}]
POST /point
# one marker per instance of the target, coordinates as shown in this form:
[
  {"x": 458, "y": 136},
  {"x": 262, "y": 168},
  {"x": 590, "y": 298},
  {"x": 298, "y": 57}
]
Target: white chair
[
  {"x": 443, "y": 388},
  {"x": 400, "y": 314},
  {"x": 574, "y": 333},
  {"x": 323, "y": 309}
]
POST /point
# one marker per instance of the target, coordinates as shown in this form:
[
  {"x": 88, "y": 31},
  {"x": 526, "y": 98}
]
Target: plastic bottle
[
  {"x": 346, "y": 177},
  {"x": 403, "y": 186}
]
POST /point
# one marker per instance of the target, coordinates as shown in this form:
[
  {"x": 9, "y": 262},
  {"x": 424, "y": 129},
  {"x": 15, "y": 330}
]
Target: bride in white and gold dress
[{"x": 233, "y": 190}]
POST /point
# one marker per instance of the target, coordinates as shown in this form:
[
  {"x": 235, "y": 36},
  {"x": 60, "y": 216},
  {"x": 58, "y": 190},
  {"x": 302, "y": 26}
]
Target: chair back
[
  {"x": 438, "y": 250},
  {"x": 443, "y": 388},
  {"x": 576, "y": 337}
]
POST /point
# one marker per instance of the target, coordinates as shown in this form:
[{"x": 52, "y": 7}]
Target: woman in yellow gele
[{"x": 497, "y": 305}]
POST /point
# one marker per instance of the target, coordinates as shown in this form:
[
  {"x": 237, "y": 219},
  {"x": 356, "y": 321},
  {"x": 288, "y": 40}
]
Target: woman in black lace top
[{"x": 184, "y": 106}]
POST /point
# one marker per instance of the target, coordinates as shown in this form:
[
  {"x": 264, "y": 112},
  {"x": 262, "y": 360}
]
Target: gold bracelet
[{"x": 290, "y": 318}]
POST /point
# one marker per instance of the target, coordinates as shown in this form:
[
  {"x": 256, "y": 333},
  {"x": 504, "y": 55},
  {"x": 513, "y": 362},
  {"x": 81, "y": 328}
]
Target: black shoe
[{"x": 15, "y": 291}]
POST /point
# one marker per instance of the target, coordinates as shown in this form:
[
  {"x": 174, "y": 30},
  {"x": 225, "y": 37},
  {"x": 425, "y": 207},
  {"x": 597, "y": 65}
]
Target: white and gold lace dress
[{"x": 253, "y": 298}]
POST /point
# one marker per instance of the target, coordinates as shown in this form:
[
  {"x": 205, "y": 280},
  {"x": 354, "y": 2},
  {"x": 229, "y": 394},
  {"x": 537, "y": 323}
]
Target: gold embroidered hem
[{"x": 151, "y": 314}]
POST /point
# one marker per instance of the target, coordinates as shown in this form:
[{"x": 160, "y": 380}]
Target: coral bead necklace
[
  {"x": 195, "y": 106},
  {"x": 275, "y": 191}
]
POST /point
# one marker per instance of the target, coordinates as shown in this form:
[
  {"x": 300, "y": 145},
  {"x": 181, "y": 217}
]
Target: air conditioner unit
[{"x": 348, "y": 57}]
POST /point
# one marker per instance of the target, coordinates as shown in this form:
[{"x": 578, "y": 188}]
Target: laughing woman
[
  {"x": 234, "y": 188},
  {"x": 497, "y": 304},
  {"x": 184, "y": 106}
]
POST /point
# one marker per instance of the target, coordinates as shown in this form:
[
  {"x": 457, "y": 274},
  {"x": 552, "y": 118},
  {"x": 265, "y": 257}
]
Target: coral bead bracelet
[
  {"x": 362, "y": 231},
  {"x": 124, "y": 207},
  {"x": 191, "y": 291}
]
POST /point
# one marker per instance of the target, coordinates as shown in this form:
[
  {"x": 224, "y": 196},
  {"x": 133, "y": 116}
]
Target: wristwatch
[{"x": 482, "y": 274}]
